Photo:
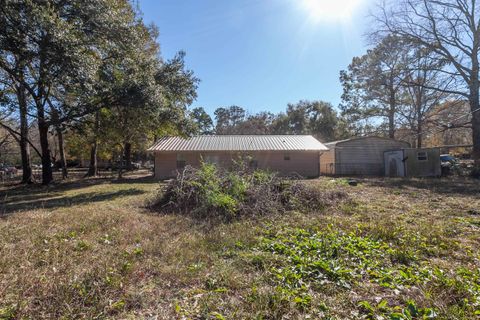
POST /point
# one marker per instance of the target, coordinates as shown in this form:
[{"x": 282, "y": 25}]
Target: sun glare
[{"x": 330, "y": 10}]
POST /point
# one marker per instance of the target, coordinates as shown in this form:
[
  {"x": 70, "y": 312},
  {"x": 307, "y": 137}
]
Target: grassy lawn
[{"x": 397, "y": 249}]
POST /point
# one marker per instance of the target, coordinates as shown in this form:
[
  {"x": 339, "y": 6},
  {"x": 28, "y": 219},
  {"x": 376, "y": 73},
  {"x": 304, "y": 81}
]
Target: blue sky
[{"x": 261, "y": 54}]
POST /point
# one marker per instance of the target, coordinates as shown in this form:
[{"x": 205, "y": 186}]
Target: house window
[
  {"x": 212, "y": 159},
  {"x": 181, "y": 161},
  {"x": 422, "y": 156},
  {"x": 253, "y": 164},
  {"x": 286, "y": 157}
]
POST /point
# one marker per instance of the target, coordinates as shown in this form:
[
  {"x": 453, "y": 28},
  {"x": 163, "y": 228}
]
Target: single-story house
[
  {"x": 422, "y": 162},
  {"x": 358, "y": 156},
  {"x": 285, "y": 154}
]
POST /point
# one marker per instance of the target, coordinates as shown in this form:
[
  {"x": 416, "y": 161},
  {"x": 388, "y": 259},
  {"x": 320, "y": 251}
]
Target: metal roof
[
  {"x": 334, "y": 143},
  {"x": 239, "y": 143}
]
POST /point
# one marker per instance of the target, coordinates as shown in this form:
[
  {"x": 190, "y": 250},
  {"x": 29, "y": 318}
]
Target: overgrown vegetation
[
  {"x": 211, "y": 191},
  {"x": 396, "y": 249},
  {"x": 330, "y": 260}
]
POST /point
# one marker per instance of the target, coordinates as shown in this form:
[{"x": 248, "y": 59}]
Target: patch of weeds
[
  {"x": 336, "y": 258},
  {"x": 473, "y": 222},
  {"x": 67, "y": 236},
  {"x": 215, "y": 285},
  {"x": 194, "y": 267},
  {"x": 114, "y": 278},
  {"x": 202, "y": 303},
  {"x": 82, "y": 245},
  {"x": 339, "y": 182},
  {"x": 218, "y": 316},
  {"x": 350, "y": 207},
  {"x": 117, "y": 305},
  {"x": 317, "y": 260},
  {"x": 8, "y": 312},
  {"x": 406, "y": 312},
  {"x": 462, "y": 286},
  {"x": 138, "y": 251},
  {"x": 106, "y": 239}
]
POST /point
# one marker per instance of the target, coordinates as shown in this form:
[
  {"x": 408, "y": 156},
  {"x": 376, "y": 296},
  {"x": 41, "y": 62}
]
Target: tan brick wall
[{"x": 302, "y": 163}]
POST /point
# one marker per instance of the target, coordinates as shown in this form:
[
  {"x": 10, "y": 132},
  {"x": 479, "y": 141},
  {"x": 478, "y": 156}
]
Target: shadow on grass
[
  {"x": 55, "y": 200},
  {"x": 16, "y": 191},
  {"x": 135, "y": 179},
  {"x": 450, "y": 186}
]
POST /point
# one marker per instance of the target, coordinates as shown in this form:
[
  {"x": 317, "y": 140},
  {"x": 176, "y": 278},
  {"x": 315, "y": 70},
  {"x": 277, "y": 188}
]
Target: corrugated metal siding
[
  {"x": 428, "y": 168},
  {"x": 363, "y": 156},
  {"x": 240, "y": 143}
]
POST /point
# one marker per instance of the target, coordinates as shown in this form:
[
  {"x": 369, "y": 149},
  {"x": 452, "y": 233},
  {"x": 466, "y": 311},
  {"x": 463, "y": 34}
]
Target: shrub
[
  {"x": 475, "y": 172},
  {"x": 210, "y": 191}
]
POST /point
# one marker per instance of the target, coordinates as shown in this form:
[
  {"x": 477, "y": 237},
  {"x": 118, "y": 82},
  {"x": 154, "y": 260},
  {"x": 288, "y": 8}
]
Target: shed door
[{"x": 394, "y": 164}]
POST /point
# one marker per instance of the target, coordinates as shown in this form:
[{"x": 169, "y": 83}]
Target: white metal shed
[{"x": 358, "y": 156}]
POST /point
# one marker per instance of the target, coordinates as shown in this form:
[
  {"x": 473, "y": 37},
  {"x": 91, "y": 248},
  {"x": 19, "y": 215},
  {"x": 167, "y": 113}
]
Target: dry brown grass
[{"x": 91, "y": 249}]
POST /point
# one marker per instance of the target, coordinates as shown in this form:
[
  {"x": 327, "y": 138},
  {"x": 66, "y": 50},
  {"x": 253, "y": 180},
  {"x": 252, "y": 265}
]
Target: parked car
[
  {"x": 448, "y": 160},
  {"x": 40, "y": 166},
  {"x": 8, "y": 169},
  {"x": 136, "y": 165},
  {"x": 148, "y": 164},
  {"x": 453, "y": 165}
]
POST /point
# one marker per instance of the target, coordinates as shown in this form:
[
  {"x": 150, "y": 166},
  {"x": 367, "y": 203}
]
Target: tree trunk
[
  {"x": 93, "y": 168},
  {"x": 47, "y": 173},
  {"x": 419, "y": 116},
  {"x": 391, "y": 114},
  {"x": 27, "y": 176},
  {"x": 474, "y": 106},
  {"x": 419, "y": 136},
  {"x": 419, "y": 128},
  {"x": 128, "y": 156},
  {"x": 40, "y": 100},
  {"x": 120, "y": 169},
  {"x": 61, "y": 147}
]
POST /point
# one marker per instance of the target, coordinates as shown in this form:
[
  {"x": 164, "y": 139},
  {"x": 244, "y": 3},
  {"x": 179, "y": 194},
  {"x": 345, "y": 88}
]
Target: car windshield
[{"x": 447, "y": 158}]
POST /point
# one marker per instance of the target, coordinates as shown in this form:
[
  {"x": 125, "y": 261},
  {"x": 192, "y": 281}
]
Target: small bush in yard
[{"x": 210, "y": 191}]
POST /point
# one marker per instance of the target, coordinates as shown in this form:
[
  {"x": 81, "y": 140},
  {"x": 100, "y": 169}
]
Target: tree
[
  {"x": 317, "y": 118},
  {"x": 372, "y": 85},
  {"x": 63, "y": 45},
  {"x": 421, "y": 74},
  {"x": 450, "y": 124},
  {"x": 150, "y": 98},
  {"x": 13, "y": 103},
  {"x": 228, "y": 119},
  {"x": 260, "y": 123},
  {"x": 450, "y": 29},
  {"x": 202, "y": 120}
]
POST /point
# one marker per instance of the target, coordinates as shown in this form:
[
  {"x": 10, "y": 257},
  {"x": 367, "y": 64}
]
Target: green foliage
[
  {"x": 317, "y": 118},
  {"x": 202, "y": 121},
  {"x": 214, "y": 192},
  {"x": 317, "y": 260},
  {"x": 8, "y": 312},
  {"x": 308, "y": 117},
  {"x": 372, "y": 87},
  {"x": 383, "y": 309}
]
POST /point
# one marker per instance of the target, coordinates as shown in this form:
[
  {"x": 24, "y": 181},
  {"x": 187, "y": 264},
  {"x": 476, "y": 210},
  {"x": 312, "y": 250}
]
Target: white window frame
[{"x": 423, "y": 155}]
